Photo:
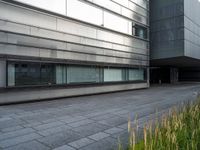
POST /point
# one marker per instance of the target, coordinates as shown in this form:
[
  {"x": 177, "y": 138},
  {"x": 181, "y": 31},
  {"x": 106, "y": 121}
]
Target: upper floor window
[{"x": 140, "y": 31}]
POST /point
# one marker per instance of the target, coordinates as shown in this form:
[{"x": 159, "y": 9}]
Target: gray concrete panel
[
  {"x": 25, "y": 96},
  {"x": 129, "y": 44},
  {"x": 25, "y": 16}
]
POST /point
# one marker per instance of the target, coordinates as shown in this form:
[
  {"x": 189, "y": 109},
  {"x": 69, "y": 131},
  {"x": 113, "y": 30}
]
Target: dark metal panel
[{"x": 167, "y": 28}]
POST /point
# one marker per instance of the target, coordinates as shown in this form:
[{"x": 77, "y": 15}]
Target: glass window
[
  {"x": 79, "y": 74},
  {"x": 112, "y": 74},
  {"x": 136, "y": 74},
  {"x": 85, "y": 12},
  {"x": 61, "y": 74},
  {"x": 51, "y": 5},
  {"x": 12, "y": 68},
  {"x": 140, "y": 31},
  {"x": 28, "y": 73},
  {"x": 20, "y": 74},
  {"x": 47, "y": 74}
]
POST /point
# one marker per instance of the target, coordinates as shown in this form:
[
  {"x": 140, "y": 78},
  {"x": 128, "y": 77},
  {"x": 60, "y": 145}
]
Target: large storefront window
[
  {"x": 21, "y": 74},
  {"x": 30, "y": 74}
]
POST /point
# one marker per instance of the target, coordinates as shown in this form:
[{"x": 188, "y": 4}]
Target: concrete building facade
[
  {"x": 70, "y": 48},
  {"x": 175, "y": 40}
]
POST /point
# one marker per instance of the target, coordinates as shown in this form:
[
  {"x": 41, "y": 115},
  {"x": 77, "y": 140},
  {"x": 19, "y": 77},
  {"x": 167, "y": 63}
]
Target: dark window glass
[
  {"x": 47, "y": 74},
  {"x": 27, "y": 74},
  {"x": 34, "y": 74},
  {"x": 140, "y": 31}
]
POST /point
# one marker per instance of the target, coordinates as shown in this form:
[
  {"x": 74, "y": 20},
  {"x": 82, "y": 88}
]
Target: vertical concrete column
[
  {"x": 148, "y": 76},
  {"x": 173, "y": 75},
  {"x": 2, "y": 73}
]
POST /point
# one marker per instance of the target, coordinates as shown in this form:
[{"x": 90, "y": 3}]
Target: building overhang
[{"x": 182, "y": 61}]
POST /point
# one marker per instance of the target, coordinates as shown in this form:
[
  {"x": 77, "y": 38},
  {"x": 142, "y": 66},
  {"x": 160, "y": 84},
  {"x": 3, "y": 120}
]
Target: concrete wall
[
  {"x": 53, "y": 37},
  {"x": 36, "y": 95}
]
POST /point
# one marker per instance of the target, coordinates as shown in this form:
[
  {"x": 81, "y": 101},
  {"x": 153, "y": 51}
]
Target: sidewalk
[{"x": 85, "y": 123}]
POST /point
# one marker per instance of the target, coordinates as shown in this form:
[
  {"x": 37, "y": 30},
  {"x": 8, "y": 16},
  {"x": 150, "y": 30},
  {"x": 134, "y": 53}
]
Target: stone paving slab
[
  {"x": 32, "y": 145},
  {"x": 9, "y": 129},
  {"x": 71, "y": 119},
  {"x": 90, "y": 129},
  {"x": 113, "y": 130},
  {"x": 86, "y": 123},
  {"x": 80, "y": 123},
  {"x": 15, "y": 133},
  {"x": 114, "y": 121},
  {"x": 54, "y": 130},
  {"x": 48, "y": 125},
  {"x": 60, "y": 139},
  {"x": 108, "y": 143},
  {"x": 11, "y": 123},
  {"x": 99, "y": 136},
  {"x": 81, "y": 143},
  {"x": 64, "y": 147},
  {"x": 17, "y": 140}
]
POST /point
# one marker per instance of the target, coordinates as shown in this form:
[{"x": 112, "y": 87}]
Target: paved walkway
[{"x": 86, "y": 123}]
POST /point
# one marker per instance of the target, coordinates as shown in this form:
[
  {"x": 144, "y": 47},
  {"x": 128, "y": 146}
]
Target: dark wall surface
[{"x": 167, "y": 28}]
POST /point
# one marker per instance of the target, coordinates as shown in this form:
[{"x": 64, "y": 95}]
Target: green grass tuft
[{"x": 179, "y": 130}]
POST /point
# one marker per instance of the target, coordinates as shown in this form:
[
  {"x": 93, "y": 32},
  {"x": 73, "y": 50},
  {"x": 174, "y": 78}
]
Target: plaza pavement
[{"x": 86, "y": 123}]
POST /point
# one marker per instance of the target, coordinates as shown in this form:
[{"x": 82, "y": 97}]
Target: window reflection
[
  {"x": 136, "y": 74},
  {"x": 82, "y": 74},
  {"x": 112, "y": 74}
]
